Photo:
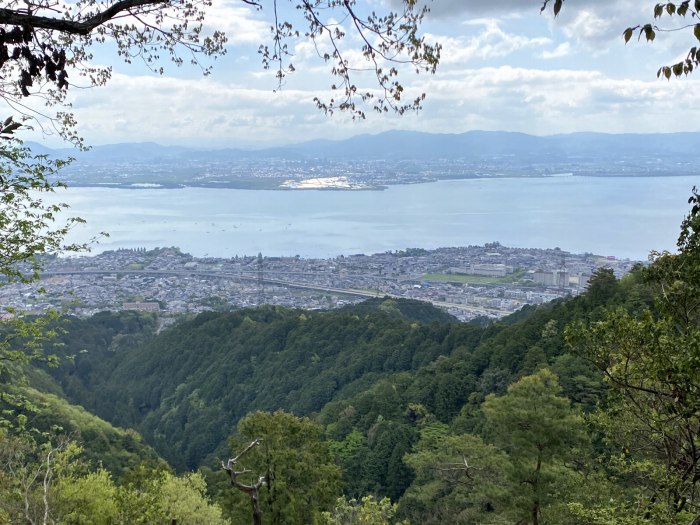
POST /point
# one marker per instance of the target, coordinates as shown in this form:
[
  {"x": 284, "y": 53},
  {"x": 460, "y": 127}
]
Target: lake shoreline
[{"x": 297, "y": 185}]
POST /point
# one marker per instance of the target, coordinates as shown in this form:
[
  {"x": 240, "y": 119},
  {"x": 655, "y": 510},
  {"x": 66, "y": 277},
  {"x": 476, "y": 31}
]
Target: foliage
[
  {"x": 391, "y": 378},
  {"x": 42, "y": 44},
  {"x": 368, "y": 511},
  {"x": 376, "y": 379},
  {"x": 541, "y": 434},
  {"x": 650, "y": 360},
  {"x": 30, "y": 233},
  {"x": 161, "y": 497},
  {"x": 28, "y": 225},
  {"x": 216, "y": 368},
  {"x": 22, "y": 341},
  {"x": 27, "y": 407},
  {"x": 120, "y": 451},
  {"x": 684, "y": 15},
  {"x": 301, "y": 481},
  {"x": 459, "y": 479},
  {"x": 404, "y": 396},
  {"x": 406, "y": 309},
  {"x": 519, "y": 470},
  {"x": 50, "y": 483}
]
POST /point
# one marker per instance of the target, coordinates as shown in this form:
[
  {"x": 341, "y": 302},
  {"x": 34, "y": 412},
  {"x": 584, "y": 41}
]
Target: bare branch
[
  {"x": 74, "y": 27},
  {"x": 253, "y": 489}
]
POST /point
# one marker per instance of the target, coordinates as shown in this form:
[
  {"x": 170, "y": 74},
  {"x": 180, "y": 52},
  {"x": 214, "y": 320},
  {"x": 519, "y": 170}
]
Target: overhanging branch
[{"x": 74, "y": 27}]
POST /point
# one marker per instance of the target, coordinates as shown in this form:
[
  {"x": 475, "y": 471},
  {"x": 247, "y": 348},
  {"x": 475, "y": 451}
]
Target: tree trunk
[
  {"x": 535, "y": 513},
  {"x": 535, "y": 488},
  {"x": 257, "y": 511},
  {"x": 253, "y": 489}
]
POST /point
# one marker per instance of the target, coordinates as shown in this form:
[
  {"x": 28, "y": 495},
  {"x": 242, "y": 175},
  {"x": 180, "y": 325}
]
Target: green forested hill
[
  {"x": 405, "y": 309},
  {"x": 446, "y": 419},
  {"x": 120, "y": 451},
  {"x": 186, "y": 388}
]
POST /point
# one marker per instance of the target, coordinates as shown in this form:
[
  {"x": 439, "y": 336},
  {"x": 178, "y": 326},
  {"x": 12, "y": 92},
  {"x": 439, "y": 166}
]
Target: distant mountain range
[
  {"x": 412, "y": 145},
  {"x": 377, "y": 161}
]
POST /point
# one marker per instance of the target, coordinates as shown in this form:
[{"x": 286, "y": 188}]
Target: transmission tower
[{"x": 261, "y": 285}]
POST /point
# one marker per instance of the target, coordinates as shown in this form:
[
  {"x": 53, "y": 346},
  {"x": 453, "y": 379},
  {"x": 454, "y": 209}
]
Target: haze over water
[{"x": 626, "y": 217}]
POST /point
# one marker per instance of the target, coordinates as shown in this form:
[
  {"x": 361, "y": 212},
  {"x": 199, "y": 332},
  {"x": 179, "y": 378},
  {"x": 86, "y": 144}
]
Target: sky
[{"x": 504, "y": 66}]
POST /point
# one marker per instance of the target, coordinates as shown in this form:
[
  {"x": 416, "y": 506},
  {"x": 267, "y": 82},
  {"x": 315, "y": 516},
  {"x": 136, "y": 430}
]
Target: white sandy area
[{"x": 322, "y": 183}]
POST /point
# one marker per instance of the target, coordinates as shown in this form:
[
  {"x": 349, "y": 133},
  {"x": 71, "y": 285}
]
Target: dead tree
[{"x": 253, "y": 489}]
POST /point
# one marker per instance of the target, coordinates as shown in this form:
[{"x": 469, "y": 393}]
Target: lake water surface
[{"x": 625, "y": 217}]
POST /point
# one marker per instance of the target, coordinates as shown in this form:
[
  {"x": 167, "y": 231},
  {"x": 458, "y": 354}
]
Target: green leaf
[
  {"x": 628, "y": 34},
  {"x": 670, "y": 8},
  {"x": 557, "y": 6},
  {"x": 12, "y": 127},
  {"x": 696, "y": 31},
  {"x": 658, "y": 10},
  {"x": 649, "y": 33}
]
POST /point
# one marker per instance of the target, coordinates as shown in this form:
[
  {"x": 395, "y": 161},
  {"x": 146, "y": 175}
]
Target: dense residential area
[{"x": 491, "y": 280}]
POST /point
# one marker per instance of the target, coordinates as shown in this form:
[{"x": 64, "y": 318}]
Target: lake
[{"x": 621, "y": 216}]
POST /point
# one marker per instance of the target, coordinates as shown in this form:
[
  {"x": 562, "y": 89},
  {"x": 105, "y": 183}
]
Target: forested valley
[{"x": 580, "y": 411}]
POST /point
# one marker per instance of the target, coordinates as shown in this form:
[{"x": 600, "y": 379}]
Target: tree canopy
[{"x": 42, "y": 45}]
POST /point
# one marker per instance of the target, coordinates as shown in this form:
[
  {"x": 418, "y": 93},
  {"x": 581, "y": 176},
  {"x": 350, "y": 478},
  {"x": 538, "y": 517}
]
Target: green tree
[
  {"x": 183, "y": 500},
  {"x": 31, "y": 231},
  {"x": 460, "y": 479},
  {"x": 650, "y": 361},
  {"x": 368, "y": 511},
  {"x": 301, "y": 481},
  {"x": 350, "y": 455},
  {"x": 51, "y": 483},
  {"x": 90, "y": 498},
  {"x": 602, "y": 287},
  {"x": 541, "y": 433}
]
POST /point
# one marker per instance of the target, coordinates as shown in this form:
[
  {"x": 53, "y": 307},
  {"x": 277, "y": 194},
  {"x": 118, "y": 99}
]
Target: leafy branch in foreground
[
  {"x": 30, "y": 231},
  {"x": 29, "y": 227},
  {"x": 43, "y": 43},
  {"x": 387, "y": 42},
  {"x": 686, "y": 17}
]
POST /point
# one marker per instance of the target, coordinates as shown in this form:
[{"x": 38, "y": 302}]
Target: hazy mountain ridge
[
  {"x": 407, "y": 145},
  {"x": 377, "y": 161}
]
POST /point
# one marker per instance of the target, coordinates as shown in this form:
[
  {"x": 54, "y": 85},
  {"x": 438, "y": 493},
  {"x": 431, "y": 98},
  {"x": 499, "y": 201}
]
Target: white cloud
[
  {"x": 499, "y": 8},
  {"x": 210, "y": 113},
  {"x": 201, "y": 111},
  {"x": 557, "y": 101},
  {"x": 490, "y": 43},
  {"x": 562, "y": 50},
  {"x": 495, "y": 74},
  {"x": 242, "y": 25}
]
